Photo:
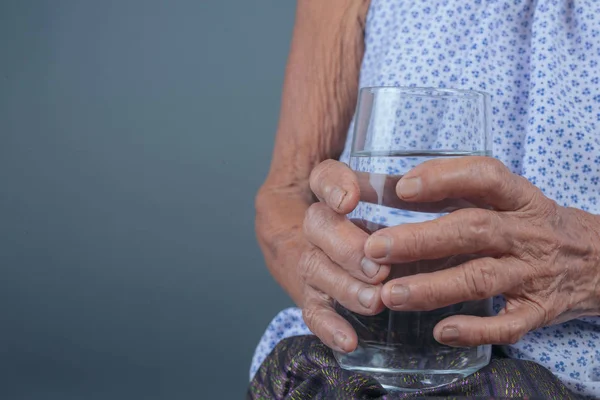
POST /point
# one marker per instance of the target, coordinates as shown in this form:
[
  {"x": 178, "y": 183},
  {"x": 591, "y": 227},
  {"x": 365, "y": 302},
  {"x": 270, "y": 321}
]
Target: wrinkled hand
[
  {"x": 335, "y": 267},
  {"x": 544, "y": 259}
]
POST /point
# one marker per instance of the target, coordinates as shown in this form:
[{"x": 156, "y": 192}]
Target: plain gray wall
[{"x": 133, "y": 136}]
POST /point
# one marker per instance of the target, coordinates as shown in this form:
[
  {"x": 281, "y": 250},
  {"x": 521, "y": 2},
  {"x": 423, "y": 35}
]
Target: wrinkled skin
[{"x": 544, "y": 258}]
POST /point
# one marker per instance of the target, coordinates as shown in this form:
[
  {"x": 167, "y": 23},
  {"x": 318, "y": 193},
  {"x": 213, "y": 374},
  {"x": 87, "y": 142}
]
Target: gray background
[{"x": 133, "y": 136}]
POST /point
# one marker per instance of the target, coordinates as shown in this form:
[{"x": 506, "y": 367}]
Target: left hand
[{"x": 544, "y": 258}]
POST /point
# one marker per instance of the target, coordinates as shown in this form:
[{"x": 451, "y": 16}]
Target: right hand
[{"x": 334, "y": 267}]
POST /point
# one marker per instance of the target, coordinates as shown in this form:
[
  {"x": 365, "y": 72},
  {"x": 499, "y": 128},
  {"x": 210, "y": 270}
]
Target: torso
[{"x": 539, "y": 61}]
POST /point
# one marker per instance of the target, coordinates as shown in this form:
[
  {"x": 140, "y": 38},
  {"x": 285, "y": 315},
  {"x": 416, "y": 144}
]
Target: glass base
[
  {"x": 413, "y": 380},
  {"x": 414, "y": 371},
  {"x": 399, "y": 350}
]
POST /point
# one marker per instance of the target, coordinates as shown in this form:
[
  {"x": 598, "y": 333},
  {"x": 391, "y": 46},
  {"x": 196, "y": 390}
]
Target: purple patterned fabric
[{"x": 302, "y": 367}]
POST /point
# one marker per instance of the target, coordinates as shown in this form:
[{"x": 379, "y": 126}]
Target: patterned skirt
[{"x": 301, "y": 367}]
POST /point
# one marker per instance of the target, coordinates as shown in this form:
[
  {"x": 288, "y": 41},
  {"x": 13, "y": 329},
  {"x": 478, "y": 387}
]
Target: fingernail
[
  {"x": 378, "y": 246},
  {"x": 366, "y": 296},
  {"x": 336, "y": 197},
  {"x": 409, "y": 187},
  {"x": 449, "y": 334},
  {"x": 339, "y": 340},
  {"x": 399, "y": 295},
  {"x": 370, "y": 268}
]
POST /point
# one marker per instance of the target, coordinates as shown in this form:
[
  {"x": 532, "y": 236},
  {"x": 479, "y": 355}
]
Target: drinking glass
[{"x": 396, "y": 129}]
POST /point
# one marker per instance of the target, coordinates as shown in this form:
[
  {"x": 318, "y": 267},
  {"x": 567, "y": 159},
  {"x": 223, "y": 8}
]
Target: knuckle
[
  {"x": 314, "y": 312},
  {"x": 411, "y": 246},
  {"x": 481, "y": 228},
  {"x": 310, "y": 263},
  {"x": 480, "y": 224},
  {"x": 315, "y": 218},
  {"x": 310, "y": 316},
  {"x": 483, "y": 335},
  {"x": 345, "y": 255},
  {"x": 495, "y": 167},
  {"x": 542, "y": 313},
  {"x": 431, "y": 298},
  {"x": 346, "y": 291},
  {"x": 501, "y": 334},
  {"x": 514, "y": 331},
  {"x": 480, "y": 279},
  {"x": 530, "y": 197},
  {"x": 494, "y": 174},
  {"x": 462, "y": 236},
  {"x": 550, "y": 208},
  {"x": 349, "y": 254}
]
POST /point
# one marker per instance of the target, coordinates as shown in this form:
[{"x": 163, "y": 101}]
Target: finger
[
  {"x": 483, "y": 180},
  {"x": 470, "y": 231},
  {"x": 334, "y": 183},
  {"x": 470, "y": 331},
  {"x": 343, "y": 242},
  {"x": 322, "y": 274},
  {"x": 328, "y": 325},
  {"x": 474, "y": 280}
]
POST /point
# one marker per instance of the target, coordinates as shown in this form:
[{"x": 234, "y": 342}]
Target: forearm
[
  {"x": 320, "y": 88},
  {"x": 318, "y": 100}
]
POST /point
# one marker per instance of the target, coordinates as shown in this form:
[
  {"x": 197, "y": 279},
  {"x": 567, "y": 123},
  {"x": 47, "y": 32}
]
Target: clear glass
[{"x": 396, "y": 129}]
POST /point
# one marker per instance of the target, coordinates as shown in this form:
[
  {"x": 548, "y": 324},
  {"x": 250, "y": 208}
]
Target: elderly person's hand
[
  {"x": 334, "y": 267},
  {"x": 544, "y": 258}
]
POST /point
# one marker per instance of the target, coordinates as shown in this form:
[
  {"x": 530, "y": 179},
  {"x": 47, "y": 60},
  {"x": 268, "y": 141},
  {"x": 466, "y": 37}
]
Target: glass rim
[
  {"x": 428, "y": 91},
  {"x": 368, "y": 95}
]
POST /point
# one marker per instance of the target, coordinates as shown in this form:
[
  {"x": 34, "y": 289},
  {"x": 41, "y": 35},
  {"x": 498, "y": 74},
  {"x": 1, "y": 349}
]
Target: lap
[{"x": 301, "y": 367}]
